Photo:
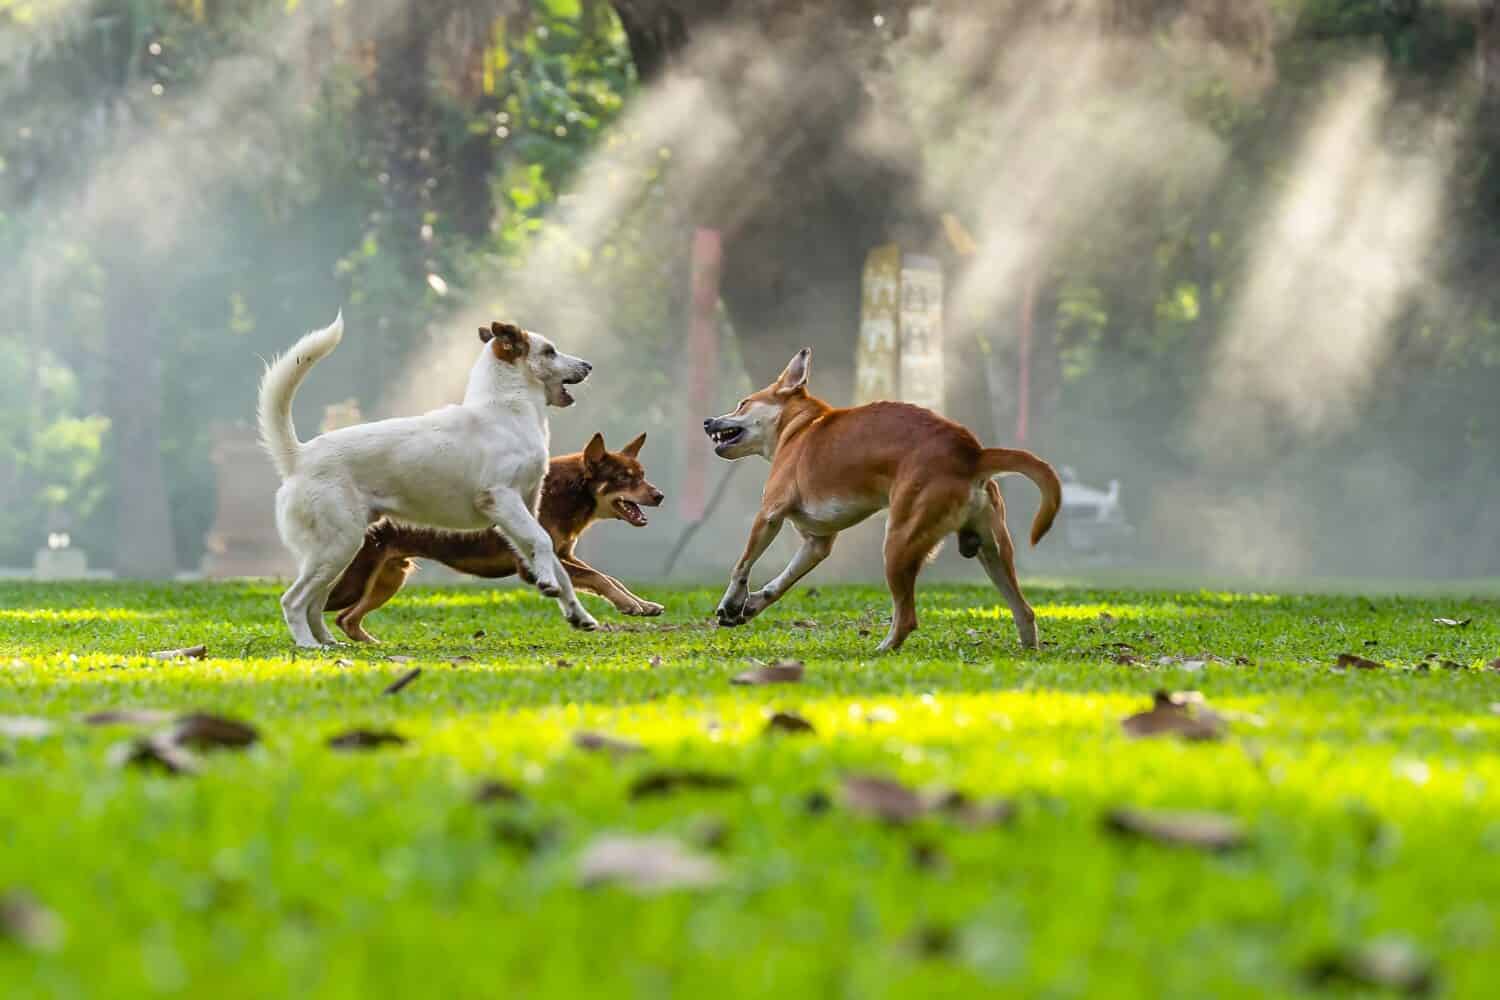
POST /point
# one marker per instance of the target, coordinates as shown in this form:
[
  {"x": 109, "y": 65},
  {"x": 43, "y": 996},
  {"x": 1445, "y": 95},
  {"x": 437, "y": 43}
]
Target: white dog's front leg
[{"x": 514, "y": 519}]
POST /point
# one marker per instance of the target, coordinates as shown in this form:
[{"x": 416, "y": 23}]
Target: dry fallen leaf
[
  {"x": 1493, "y": 664},
  {"x": 401, "y": 682},
  {"x": 24, "y": 727},
  {"x": 460, "y": 659},
  {"x": 654, "y": 662},
  {"x": 1347, "y": 660},
  {"x": 975, "y": 814},
  {"x": 562, "y": 664},
  {"x": 1386, "y": 964},
  {"x": 186, "y": 653},
  {"x": 399, "y": 658},
  {"x": 646, "y": 864},
  {"x": 202, "y": 731},
  {"x": 932, "y": 940},
  {"x": 27, "y": 922},
  {"x": 1452, "y": 622},
  {"x": 805, "y": 623},
  {"x": 127, "y": 717},
  {"x": 666, "y": 782},
  {"x": 496, "y": 791},
  {"x": 1210, "y": 831},
  {"x": 154, "y": 751},
  {"x": 343, "y": 663},
  {"x": 584, "y": 740},
  {"x": 780, "y": 672},
  {"x": 1175, "y": 715},
  {"x": 788, "y": 722},
  {"x": 366, "y": 739},
  {"x": 883, "y": 798}
]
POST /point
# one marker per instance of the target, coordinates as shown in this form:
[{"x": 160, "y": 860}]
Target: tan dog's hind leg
[
  {"x": 998, "y": 556},
  {"x": 383, "y": 585},
  {"x": 920, "y": 516}
]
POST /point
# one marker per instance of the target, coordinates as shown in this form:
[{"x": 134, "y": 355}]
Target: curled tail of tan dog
[
  {"x": 994, "y": 461},
  {"x": 278, "y": 435}
]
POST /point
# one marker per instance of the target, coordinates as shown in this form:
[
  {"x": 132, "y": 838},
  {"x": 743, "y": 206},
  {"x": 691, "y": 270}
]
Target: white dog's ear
[
  {"x": 593, "y": 452},
  {"x": 633, "y": 449},
  {"x": 794, "y": 378},
  {"x": 508, "y": 341},
  {"x": 485, "y": 333}
]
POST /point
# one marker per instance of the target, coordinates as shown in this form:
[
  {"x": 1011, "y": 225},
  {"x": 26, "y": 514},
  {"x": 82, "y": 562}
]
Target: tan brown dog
[
  {"x": 579, "y": 490},
  {"x": 832, "y": 468}
]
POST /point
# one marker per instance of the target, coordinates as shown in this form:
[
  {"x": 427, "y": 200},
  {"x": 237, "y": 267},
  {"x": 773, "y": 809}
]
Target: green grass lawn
[{"x": 1370, "y": 798}]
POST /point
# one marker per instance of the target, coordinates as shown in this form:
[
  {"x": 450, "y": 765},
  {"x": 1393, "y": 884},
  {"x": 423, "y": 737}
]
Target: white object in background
[
  {"x": 922, "y": 331},
  {"x": 59, "y": 560}
]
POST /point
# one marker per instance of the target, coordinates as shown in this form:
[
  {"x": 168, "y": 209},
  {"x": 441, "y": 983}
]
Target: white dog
[{"x": 475, "y": 465}]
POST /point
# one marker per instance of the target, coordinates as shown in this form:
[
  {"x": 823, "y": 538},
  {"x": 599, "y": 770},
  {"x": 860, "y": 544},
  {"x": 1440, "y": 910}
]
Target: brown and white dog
[
  {"x": 832, "y": 468},
  {"x": 579, "y": 490}
]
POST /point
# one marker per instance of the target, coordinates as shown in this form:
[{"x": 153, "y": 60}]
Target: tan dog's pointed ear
[
  {"x": 794, "y": 378},
  {"x": 485, "y": 333},
  {"x": 593, "y": 452},
  {"x": 633, "y": 449}
]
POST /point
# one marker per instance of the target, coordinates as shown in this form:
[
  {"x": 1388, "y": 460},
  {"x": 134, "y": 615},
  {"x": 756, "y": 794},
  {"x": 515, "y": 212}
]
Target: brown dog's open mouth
[
  {"x": 630, "y": 511},
  {"x": 727, "y": 437}
]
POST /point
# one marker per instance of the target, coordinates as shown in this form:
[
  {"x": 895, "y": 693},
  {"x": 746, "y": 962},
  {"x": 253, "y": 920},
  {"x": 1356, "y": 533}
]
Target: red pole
[{"x": 703, "y": 368}]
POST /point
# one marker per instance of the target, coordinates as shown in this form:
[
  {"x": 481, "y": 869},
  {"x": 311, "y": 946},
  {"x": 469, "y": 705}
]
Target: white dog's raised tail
[{"x": 278, "y": 435}]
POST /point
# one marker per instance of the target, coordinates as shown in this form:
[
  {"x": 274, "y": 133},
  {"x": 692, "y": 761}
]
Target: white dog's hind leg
[{"x": 509, "y": 513}]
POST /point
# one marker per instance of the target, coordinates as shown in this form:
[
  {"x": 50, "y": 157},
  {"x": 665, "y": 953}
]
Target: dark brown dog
[
  {"x": 832, "y": 468},
  {"x": 593, "y": 485}
]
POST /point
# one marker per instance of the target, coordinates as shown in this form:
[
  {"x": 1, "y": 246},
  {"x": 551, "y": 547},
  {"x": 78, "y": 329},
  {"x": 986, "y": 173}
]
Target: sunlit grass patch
[{"x": 1371, "y": 799}]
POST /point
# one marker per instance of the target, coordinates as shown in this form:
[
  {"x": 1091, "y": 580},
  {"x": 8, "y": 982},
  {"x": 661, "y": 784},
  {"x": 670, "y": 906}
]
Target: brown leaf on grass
[
  {"x": 1209, "y": 831},
  {"x": 185, "y": 653},
  {"x": 203, "y": 731},
  {"x": 25, "y": 727},
  {"x": 401, "y": 682},
  {"x": 343, "y": 663},
  {"x": 932, "y": 940},
  {"x": 882, "y": 798},
  {"x": 398, "y": 658},
  {"x": 928, "y": 857},
  {"x": 1493, "y": 664},
  {"x": 598, "y": 742},
  {"x": 127, "y": 717},
  {"x": 478, "y": 634},
  {"x": 805, "y": 623},
  {"x": 788, "y": 722},
  {"x": 1452, "y": 622},
  {"x": 366, "y": 739},
  {"x": 1347, "y": 660},
  {"x": 460, "y": 659},
  {"x": 496, "y": 791},
  {"x": 646, "y": 864},
  {"x": 1175, "y": 715},
  {"x": 24, "y": 920},
  {"x": 780, "y": 672},
  {"x": 974, "y": 814},
  {"x": 666, "y": 782},
  {"x": 654, "y": 662},
  {"x": 154, "y": 752},
  {"x": 563, "y": 664},
  {"x": 1386, "y": 964}
]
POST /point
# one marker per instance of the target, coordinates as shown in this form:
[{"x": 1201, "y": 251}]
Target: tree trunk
[
  {"x": 1487, "y": 16},
  {"x": 144, "y": 543}
]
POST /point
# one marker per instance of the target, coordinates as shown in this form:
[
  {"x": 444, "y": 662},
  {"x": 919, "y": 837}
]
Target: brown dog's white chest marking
[{"x": 832, "y": 468}]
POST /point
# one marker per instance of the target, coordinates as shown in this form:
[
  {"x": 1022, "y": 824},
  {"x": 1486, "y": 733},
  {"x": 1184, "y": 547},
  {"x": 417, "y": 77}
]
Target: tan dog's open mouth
[{"x": 630, "y": 512}]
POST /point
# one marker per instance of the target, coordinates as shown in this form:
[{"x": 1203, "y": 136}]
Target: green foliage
[{"x": 1370, "y": 797}]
